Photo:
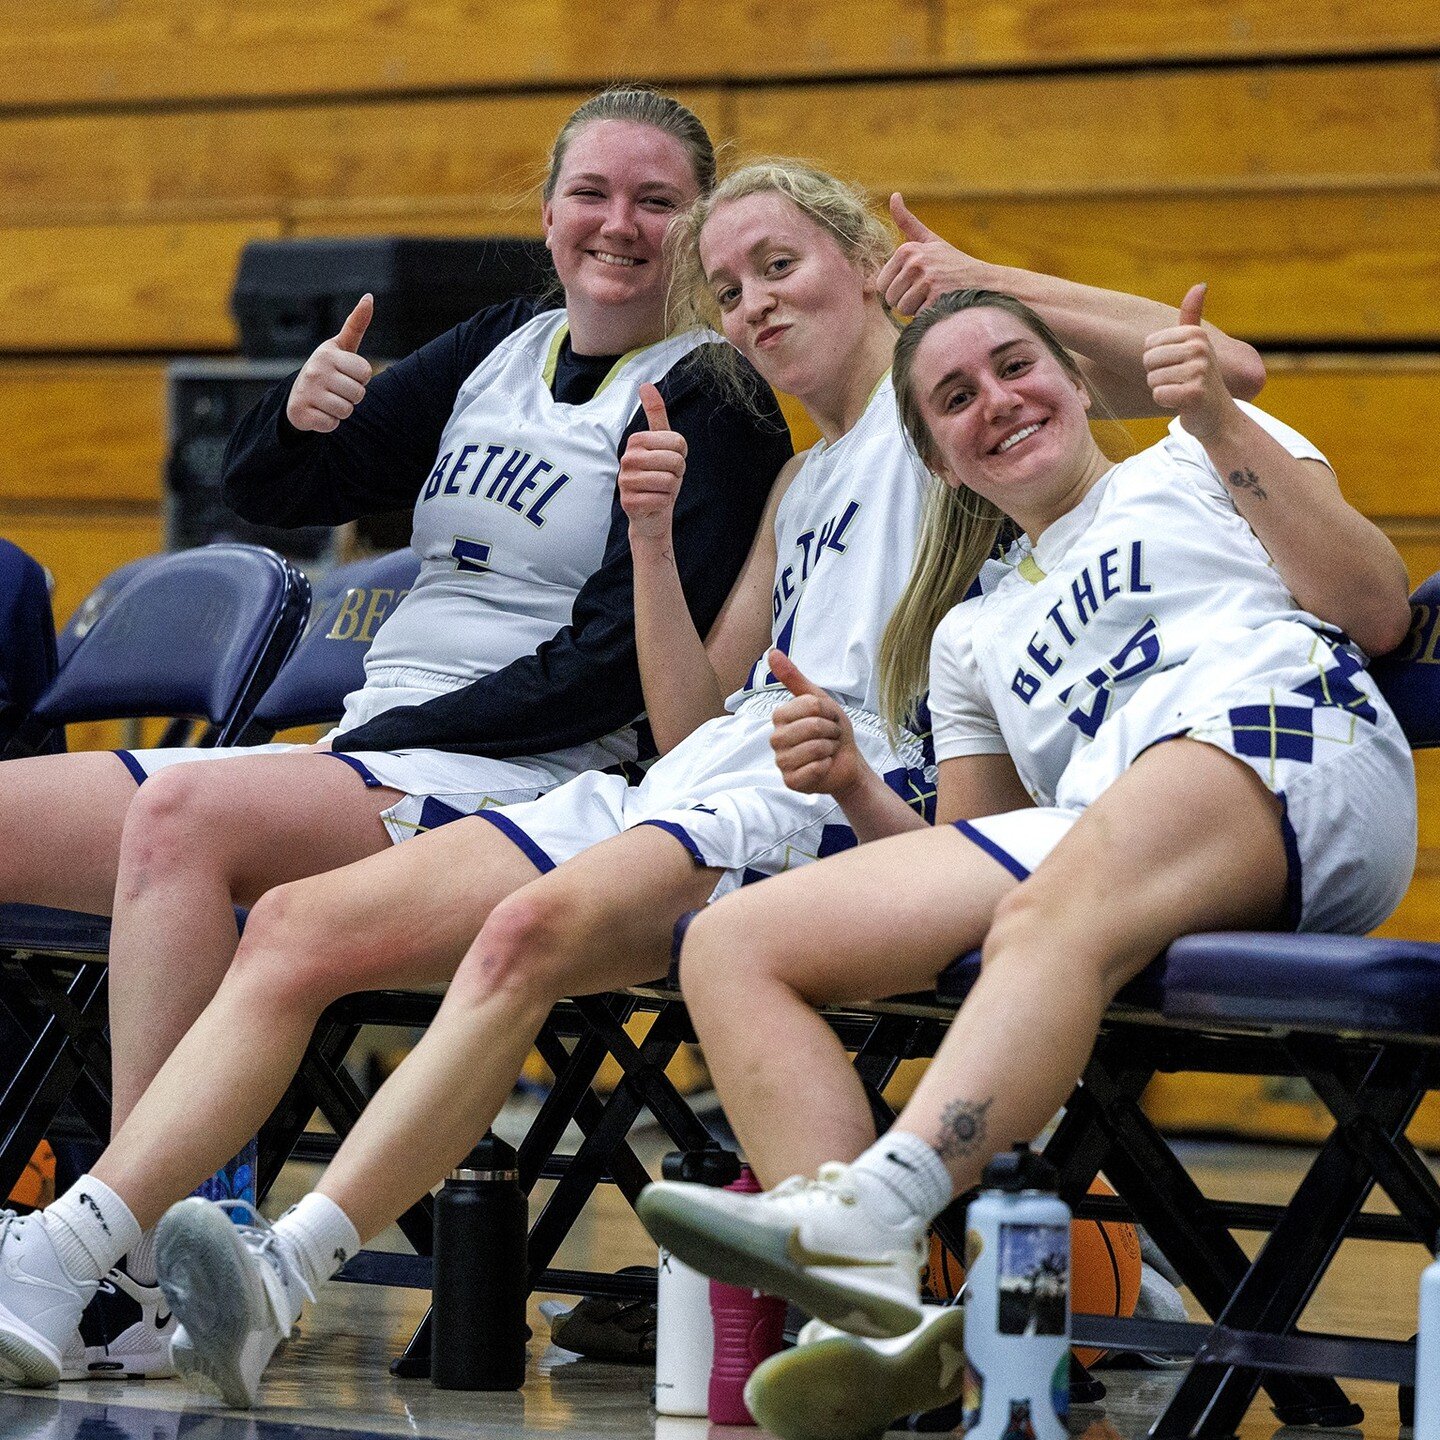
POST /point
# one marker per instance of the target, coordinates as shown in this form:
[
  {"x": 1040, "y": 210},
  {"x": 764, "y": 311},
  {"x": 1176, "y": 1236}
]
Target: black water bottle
[{"x": 478, "y": 1322}]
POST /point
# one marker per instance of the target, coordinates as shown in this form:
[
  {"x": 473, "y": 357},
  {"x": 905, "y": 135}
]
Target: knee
[
  {"x": 722, "y": 955},
  {"x": 1039, "y": 930},
  {"x": 525, "y": 949},
  {"x": 173, "y": 820},
  {"x": 290, "y": 953}
]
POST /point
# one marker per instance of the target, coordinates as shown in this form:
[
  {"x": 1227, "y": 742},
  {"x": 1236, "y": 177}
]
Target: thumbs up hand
[
  {"x": 923, "y": 267},
  {"x": 813, "y": 741},
  {"x": 651, "y": 471},
  {"x": 1184, "y": 373},
  {"x": 332, "y": 381}
]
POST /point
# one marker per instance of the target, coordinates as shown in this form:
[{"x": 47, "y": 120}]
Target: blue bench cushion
[{"x": 1342, "y": 983}]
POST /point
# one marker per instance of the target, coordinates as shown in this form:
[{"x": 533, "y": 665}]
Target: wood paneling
[
  {"x": 123, "y": 287},
  {"x": 1058, "y": 32},
  {"x": 1373, "y": 418},
  {"x": 88, "y": 430},
  {"x": 1088, "y": 134},
  {"x": 81, "y": 548},
  {"x": 83, "y": 52},
  {"x": 935, "y": 139},
  {"x": 1326, "y": 266},
  {"x": 263, "y": 160}
]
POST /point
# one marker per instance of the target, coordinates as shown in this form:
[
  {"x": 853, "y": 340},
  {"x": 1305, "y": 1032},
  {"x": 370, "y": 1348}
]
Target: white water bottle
[
  {"x": 1017, "y": 1307},
  {"x": 1427, "y": 1356},
  {"x": 684, "y": 1333}
]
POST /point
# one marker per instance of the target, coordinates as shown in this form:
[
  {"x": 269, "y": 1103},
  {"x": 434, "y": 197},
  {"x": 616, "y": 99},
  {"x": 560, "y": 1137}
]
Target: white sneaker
[
  {"x": 834, "y": 1386},
  {"x": 40, "y": 1302},
  {"x": 235, "y": 1289},
  {"x": 808, "y": 1240},
  {"x": 124, "y": 1334}
]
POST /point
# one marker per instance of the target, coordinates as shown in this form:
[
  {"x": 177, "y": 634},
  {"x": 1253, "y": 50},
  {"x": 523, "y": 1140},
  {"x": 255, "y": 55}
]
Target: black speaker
[
  {"x": 291, "y": 294},
  {"x": 206, "y": 399}
]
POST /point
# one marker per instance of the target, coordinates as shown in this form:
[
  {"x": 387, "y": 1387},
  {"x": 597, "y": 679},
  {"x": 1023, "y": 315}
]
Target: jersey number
[
  {"x": 470, "y": 556},
  {"x": 1141, "y": 652}
]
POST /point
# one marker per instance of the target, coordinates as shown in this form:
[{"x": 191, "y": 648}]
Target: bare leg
[
  {"x": 199, "y": 839},
  {"x": 402, "y": 917},
  {"x": 1129, "y": 878},
  {"x": 878, "y": 920},
  {"x": 601, "y": 921},
  {"x": 61, "y": 818}
]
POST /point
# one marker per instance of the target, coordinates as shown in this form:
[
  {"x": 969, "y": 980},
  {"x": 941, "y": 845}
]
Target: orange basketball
[
  {"x": 36, "y": 1186},
  {"x": 1104, "y": 1269}
]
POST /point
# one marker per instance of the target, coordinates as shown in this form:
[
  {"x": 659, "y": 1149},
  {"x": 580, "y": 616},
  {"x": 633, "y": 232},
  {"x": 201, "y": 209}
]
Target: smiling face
[
  {"x": 1006, "y": 419},
  {"x": 790, "y": 299},
  {"x": 620, "y": 185}
]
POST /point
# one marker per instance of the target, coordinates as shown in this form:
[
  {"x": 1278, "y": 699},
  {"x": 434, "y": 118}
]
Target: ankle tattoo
[{"x": 962, "y": 1127}]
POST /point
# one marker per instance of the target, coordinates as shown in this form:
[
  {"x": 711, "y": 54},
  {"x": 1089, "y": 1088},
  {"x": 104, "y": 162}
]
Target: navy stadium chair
[{"x": 199, "y": 634}]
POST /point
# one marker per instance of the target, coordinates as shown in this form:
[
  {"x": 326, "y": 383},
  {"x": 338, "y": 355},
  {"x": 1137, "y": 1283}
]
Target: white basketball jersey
[
  {"x": 514, "y": 517},
  {"x": 1153, "y": 562},
  {"x": 845, "y": 535}
]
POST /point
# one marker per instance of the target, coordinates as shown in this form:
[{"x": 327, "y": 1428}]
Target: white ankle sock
[
  {"x": 140, "y": 1262},
  {"x": 903, "y": 1178},
  {"x": 91, "y": 1227},
  {"x": 321, "y": 1234}
]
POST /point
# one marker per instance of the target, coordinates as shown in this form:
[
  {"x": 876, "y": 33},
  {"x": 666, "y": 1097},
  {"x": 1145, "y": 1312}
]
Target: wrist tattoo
[
  {"x": 962, "y": 1127},
  {"x": 1246, "y": 480}
]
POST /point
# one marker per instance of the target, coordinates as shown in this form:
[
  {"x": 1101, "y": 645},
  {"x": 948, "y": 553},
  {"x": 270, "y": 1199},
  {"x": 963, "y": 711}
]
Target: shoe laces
[
  {"x": 260, "y": 1238},
  {"x": 10, "y": 1220},
  {"x": 831, "y": 1182}
]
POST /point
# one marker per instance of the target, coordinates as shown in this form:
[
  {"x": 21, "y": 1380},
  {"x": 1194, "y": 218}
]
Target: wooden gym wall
[{"x": 1287, "y": 151}]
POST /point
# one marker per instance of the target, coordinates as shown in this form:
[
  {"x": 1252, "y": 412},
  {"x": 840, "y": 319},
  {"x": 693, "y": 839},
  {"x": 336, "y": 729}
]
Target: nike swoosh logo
[
  {"x": 161, "y": 1321},
  {"x": 802, "y": 1254}
]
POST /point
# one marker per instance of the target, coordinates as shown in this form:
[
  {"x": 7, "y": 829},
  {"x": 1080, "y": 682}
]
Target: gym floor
[{"x": 333, "y": 1379}]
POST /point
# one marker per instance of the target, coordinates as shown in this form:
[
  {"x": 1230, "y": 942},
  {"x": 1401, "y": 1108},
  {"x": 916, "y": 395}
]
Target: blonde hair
[
  {"x": 644, "y": 106},
  {"x": 959, "y": 530},
  {"x": 841, "y": 210}
]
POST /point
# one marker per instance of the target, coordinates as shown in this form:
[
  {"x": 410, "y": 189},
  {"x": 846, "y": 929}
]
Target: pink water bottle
[{"x": 749, "y": 1327}]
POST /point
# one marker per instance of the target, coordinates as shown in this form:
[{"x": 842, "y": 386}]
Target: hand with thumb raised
[
  {"x": 1184, "y": 373},
  {"x": 651, "y": 470},
  {"x": 332, "y": 381},
  {"x": 924, "y": 266},
  {"x": 813, "y": 740}
]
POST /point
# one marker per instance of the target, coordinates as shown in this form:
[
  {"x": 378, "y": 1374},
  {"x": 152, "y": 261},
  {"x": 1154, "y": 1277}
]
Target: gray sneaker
[
  {"x": 236, "y": 1290},
  {"x": 40, "y": 1302},
  {"x": 834, "y": 1386}
]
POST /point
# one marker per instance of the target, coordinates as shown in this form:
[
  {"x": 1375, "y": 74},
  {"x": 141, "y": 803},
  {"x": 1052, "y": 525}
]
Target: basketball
[
  {"x": 1104, "y": 1269},
  {"x": 36, "y": 1186}
]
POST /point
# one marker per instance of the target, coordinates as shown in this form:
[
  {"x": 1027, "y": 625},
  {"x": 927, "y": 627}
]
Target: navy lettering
[
  {"x": 833, "y": 535},
  {"x": 1025, "y": 685},
  {"x": 432, "y": 485},
  {"x": 491, "y": 451},
  {"x": 1041, "y": 654},
  {"x": 1060, "y": 625},
  {"x": 1082, "y": 590},
  {"x": 803, "y": 541},
  {"x": 527, "y": 485},
  {"x": 452, "y": 485},
  {"x": 1137, "y": 555},
  {"x": 536, "y": 513},
  {"x": 509, "y": 473},
  {"x": 1109, "y": 586}
]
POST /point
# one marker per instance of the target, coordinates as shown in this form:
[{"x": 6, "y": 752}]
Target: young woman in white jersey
[
  {"x": 490, "y": 682},
  {"x": 790, "y": 263},
  {"x": 1142, "y": 730}
]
